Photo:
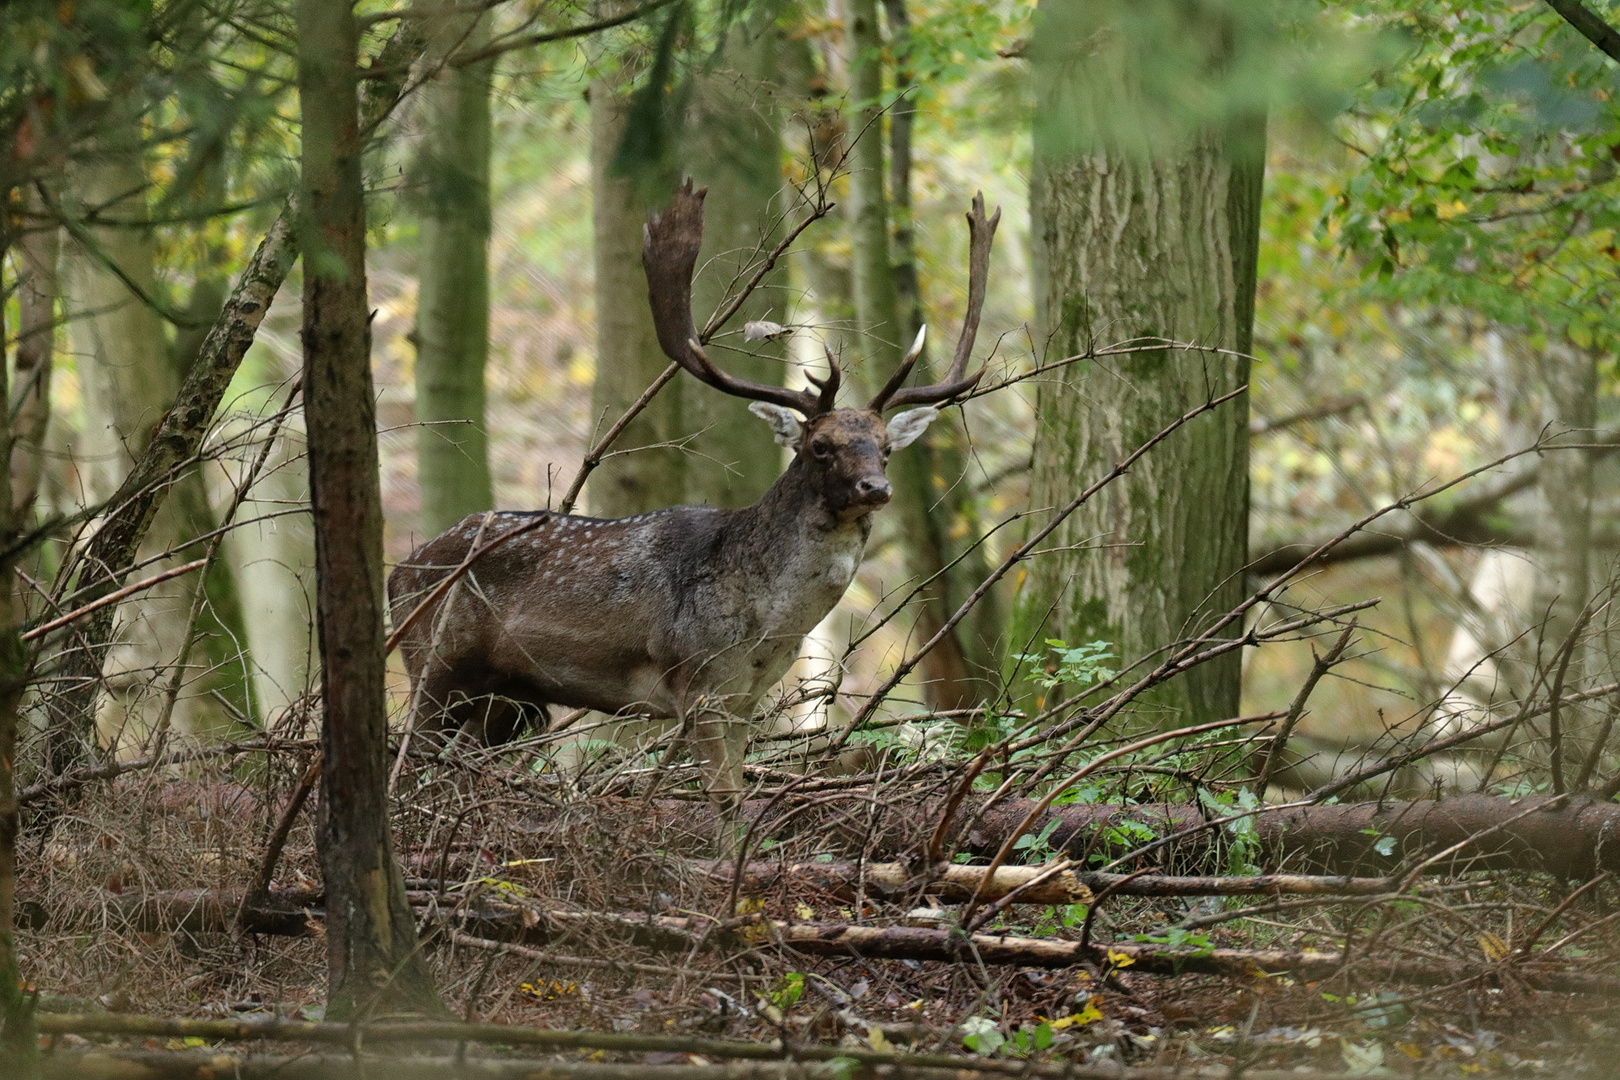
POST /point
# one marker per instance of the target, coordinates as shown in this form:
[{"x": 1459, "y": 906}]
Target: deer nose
[{"x": 874, "y": 490}]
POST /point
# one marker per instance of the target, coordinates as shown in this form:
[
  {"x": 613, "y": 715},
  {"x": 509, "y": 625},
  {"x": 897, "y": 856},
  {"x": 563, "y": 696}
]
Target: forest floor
[{"x": 470, "y": 841}]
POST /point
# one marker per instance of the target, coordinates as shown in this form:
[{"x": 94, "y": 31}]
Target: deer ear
[
  {"x": 907, "y": 427},
  {"x": 782, "y": 421}
]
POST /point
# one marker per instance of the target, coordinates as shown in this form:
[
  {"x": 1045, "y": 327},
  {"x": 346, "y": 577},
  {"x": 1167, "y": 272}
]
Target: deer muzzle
[{"x": 873, "y": 491}]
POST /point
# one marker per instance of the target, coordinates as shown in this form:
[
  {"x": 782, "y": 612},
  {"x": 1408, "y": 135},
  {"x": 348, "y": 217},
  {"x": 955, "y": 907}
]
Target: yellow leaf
[
  {"x": 804, "y": 912},
  {"x": 1120, "y": 959},
  {"x": 1411, "y": 1050},
  {"x": 1492, "y": 946},
  {"x": 1085, "y": 1016},
  {"x": 748, "y": 905},
  {"x": 878, "y": 1041}
]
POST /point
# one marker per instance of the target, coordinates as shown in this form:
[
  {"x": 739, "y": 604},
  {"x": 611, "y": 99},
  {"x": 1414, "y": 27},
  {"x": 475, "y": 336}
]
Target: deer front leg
[{"x": 719, "y": 743}]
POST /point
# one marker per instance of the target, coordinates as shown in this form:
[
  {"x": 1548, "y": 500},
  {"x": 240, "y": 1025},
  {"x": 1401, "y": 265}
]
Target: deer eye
[{"x": 821, "y": 448}]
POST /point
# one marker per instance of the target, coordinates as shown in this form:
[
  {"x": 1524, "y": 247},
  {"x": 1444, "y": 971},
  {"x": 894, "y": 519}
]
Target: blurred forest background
[
  {"x": 1435, "y": 249},
  {"x": 1345, "y": 267}
]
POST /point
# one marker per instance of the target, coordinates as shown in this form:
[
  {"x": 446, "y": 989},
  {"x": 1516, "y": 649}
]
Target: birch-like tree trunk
[
  {"x": 1135, "y": 243},
  {"x": 1563, "y": 559},
  {"x": 647, "y": 471},
  {"x": 128, "y": 374},
  {"x": 374, "y": 965},
  {"x": 452, "y": 304}
]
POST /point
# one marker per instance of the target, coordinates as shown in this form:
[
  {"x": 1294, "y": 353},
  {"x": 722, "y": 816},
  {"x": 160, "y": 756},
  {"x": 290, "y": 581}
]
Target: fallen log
[
  {"x": 1571, "y": 836},
  {"x": 949, "y": 882},
  {"x": 956, "y": 884},
  {"x": 919, "y": 943},
  {"x": 952, "y": 946},
  {"x": 208, "y": 1065}
]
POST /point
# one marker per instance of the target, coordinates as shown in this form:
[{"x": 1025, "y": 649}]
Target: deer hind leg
[{"x": 443, "y": 704}]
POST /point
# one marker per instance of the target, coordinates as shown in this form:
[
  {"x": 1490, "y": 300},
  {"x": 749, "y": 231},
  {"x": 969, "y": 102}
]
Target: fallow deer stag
[{"x": 691, "y": 613}]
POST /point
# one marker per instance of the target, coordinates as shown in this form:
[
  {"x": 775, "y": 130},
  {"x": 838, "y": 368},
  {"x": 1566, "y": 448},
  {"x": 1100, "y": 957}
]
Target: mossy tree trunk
[
  {"x": 648, "y": 471},
  {"x": 1135, "y": 243},
  {"x": 733, "y": 147},
  {"x": 373, "y": 963},
  {"x": 451, "y": 187}
]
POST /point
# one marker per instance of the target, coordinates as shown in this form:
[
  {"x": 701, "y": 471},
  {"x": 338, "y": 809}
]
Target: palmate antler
[
  {"x": 981, "y": 234},
  {"x": 669, "y": 253}
]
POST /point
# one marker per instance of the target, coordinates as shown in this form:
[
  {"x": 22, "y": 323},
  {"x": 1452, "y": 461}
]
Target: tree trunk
[
  {"x": 628, "y": 358},
  {"x": 126, "y": 368},
  {"x": 222, "y": 629},
  {"x": 373, "y": 965},
  {"x": 113, "y": 548},
  {"x": 953, "y": 519},
  {"x": 918, "y": 510},
  {"x": 452, "y": 305},
  {"x": 1563, "y": 572},
  {"x": 1140, "y": 244},
  {"x": 36, "y": 264},
  {"x": 734, "y": 147},
  {"x": 37, "y": 250}
]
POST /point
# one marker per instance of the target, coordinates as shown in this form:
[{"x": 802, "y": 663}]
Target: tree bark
[
  {"x": 452, "y": 305},
  {"x": 372, "y": 960},
  {"x": 646, "y": 472},
  {"x": 1140, "y": 244},
  {"x": 734, "y": 148}
]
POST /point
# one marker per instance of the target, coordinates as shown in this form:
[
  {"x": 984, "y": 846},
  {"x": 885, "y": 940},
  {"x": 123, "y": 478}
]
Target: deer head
[{"x": 844, "y": 450}]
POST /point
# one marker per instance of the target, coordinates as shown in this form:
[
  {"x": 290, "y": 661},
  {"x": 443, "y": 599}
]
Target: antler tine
[
  {"x": 881, "y": 399},
  {"x": 982, "y": 233},
  {"x": 827, "y": 400},
  {"x": 669, "y": 251}
]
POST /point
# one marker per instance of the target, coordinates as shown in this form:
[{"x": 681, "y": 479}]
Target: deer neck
[
  {"x": 798, "y": 542},
  {"x": 793, "y": 507}
]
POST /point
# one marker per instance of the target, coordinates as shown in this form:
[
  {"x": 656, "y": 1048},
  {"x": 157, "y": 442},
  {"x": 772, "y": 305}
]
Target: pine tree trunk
[
  {"x": 373, "y": 963},
  {"x": 918, "y": 509},
  {"x": 734, "y": 147},
  {"x": 452, "y": 306},
  {"x": 628, "y": 358},
  {"x": 1136, "y": 244}
]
